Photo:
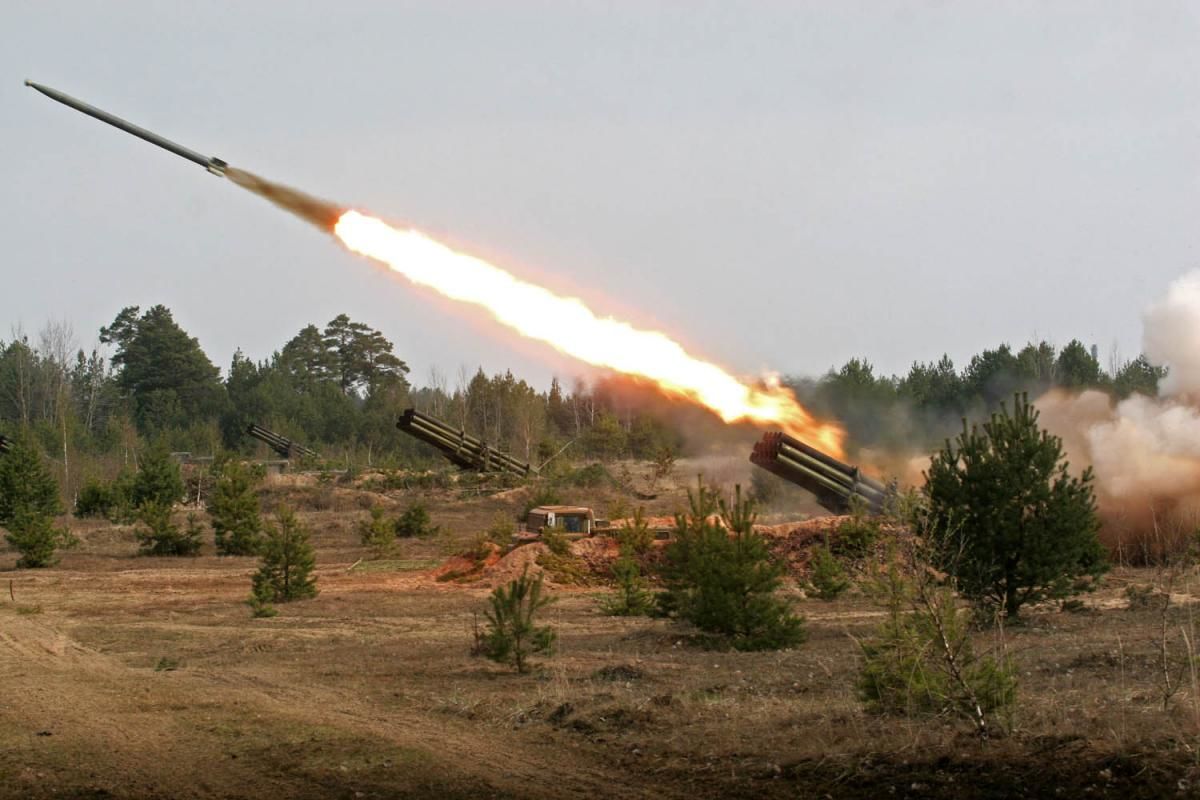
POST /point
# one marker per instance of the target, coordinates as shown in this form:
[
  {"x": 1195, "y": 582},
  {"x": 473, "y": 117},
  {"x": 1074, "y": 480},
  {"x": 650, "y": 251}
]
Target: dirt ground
[{"x": 137, "y": 677}]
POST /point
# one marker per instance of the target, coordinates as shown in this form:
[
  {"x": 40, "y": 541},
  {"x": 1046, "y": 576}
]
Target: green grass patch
[{"x": 396, "y": 565}]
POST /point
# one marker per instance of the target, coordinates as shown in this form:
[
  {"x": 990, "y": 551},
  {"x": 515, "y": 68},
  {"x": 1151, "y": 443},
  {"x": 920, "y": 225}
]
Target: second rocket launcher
[
  {"x": 836, "y": 484},
  {"x": 459, "y": 447},
  {"x": 286, "y": 448}
]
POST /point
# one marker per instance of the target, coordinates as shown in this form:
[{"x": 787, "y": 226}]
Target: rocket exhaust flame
[{"x": 569, "y": 326}]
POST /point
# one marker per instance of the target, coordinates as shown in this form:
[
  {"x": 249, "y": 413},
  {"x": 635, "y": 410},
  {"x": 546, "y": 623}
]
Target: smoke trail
[{"x": 321, "y": 213}]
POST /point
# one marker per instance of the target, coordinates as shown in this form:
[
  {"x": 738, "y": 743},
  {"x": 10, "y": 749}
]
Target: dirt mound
[
  {"x": 514, "y": 564},
  {"x": 467, "y": 567}
]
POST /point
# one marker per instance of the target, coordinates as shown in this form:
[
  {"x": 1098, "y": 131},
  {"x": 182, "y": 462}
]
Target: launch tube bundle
[
  {"x": 836, "y": 484},
  {"x": 460, "y": 447},
  {"x": 286, "y": 448}
]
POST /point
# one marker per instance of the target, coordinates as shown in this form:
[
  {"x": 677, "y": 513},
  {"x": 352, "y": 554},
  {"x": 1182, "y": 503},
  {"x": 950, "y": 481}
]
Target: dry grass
[{"x": 369, "y": 689}]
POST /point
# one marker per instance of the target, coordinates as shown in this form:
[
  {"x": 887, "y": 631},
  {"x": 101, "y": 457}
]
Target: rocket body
[{"x": 211, "y": 163}]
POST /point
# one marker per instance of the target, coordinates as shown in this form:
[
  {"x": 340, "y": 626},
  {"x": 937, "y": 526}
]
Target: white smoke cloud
[{"x": 1171, "y": 336}]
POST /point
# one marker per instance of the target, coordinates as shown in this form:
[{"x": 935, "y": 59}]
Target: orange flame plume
[{"x": 569, "y": 326}]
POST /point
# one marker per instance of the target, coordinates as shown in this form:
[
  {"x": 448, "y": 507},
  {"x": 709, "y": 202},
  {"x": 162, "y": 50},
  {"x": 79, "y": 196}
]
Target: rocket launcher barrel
[
  {"x": 459, "y": 447},
  {"x": 286, "y": 448},
  {"x": 837, "y": 485}
]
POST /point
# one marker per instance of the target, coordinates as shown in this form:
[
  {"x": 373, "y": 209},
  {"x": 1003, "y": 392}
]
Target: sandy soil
[{"x": 136, "y": 677}]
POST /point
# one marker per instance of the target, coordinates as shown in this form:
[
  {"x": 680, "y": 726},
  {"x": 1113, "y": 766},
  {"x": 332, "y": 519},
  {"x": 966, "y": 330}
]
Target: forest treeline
[{"x": 339, "y": 388}]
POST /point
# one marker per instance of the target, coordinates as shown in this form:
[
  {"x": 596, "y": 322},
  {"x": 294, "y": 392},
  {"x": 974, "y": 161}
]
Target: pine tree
[
  {"x": 631, "y": 597},
  {"x": 287, "y": 562},
  {"x": 37, "y": 539},
  {"x": 27, "y": 489},
  {"x": 827, "y": 575},
  {"x": 166, "y": 374},
  {"x": 233, "y": 508},
  {"x": 512, "y": 633},
  {"x": 158, "y": 478},
  {"x": 378, "y": 532},
  {"x": 723, "y": 579},
  {"x": 1007, "y": 518},
  {"x": 162, "y": 537}
]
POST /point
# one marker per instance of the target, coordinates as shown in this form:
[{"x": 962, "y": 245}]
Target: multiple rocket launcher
[
  {"x": 838, "y": 486},
  {"x": 459, "y": 447}
]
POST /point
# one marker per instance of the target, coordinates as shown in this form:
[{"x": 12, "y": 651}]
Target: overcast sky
[{"x": 778, "y": 185}]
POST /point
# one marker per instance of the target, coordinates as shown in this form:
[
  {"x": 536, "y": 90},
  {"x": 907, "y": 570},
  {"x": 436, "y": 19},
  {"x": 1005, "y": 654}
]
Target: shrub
[
  {"x": 162, "y": 537},
  {"x": 285, "y": 573},
  {"x": 556, "y": 541},
  {"x": 636, "y": 537},
  {"x": 1007, "y": 519},
  {"x": 827, "y": 576},
  {"x": 590, "y": 477},
  {"x": 96, "y": 498},
  {"x": 855, "y": 537},
  {"x": 725, "y": 584},
  {"x": 123, "y": 511},
  {"x": 502, "y": 529},
  {"x": 37, "y": 539},
  {"x": 415, "y": 521},
  {"x": 921, "y": 659},
  {"x": 233, "y": 508},
  {"x": 512, "y": 633},
  {"x": 378, "y": 532},
  {"x": 631, "y": 597}
]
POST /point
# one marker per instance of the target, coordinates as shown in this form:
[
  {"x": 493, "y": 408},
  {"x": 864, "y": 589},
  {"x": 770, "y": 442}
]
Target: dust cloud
[{"x": 1145, "y": 451}]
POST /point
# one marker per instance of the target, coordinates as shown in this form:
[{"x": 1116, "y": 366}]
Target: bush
[
  {"x": 162, "y": 537},
  {"x": 377, "y": 532},
  {"x": 590, "y": 477},
  {"x": 855, "y": 537},
  {"x": 725, "y": 584},
  {"x": 233, "y": 508},
  {"x": 285, "y": 573},
  {"x": 37, "y": 539},
  {"x": 502, "y": 529},
  {"x": 921, "y": 659},
  {"x": 415, "y": 521},
  {"x": 826, "y": 574},
  {"x": 512, "y": 634},
  {"x": 556, "y": 541},
  {"x": 636, "y": 537},
  {"x": 1005, "y": 516},
  {"x": 631, "y": 597},
  {"x": 96, "y": 498}
]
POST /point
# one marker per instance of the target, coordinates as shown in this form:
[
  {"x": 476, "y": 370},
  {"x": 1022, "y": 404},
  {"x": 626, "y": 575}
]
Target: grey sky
[{"x": 778, "y": 185}]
